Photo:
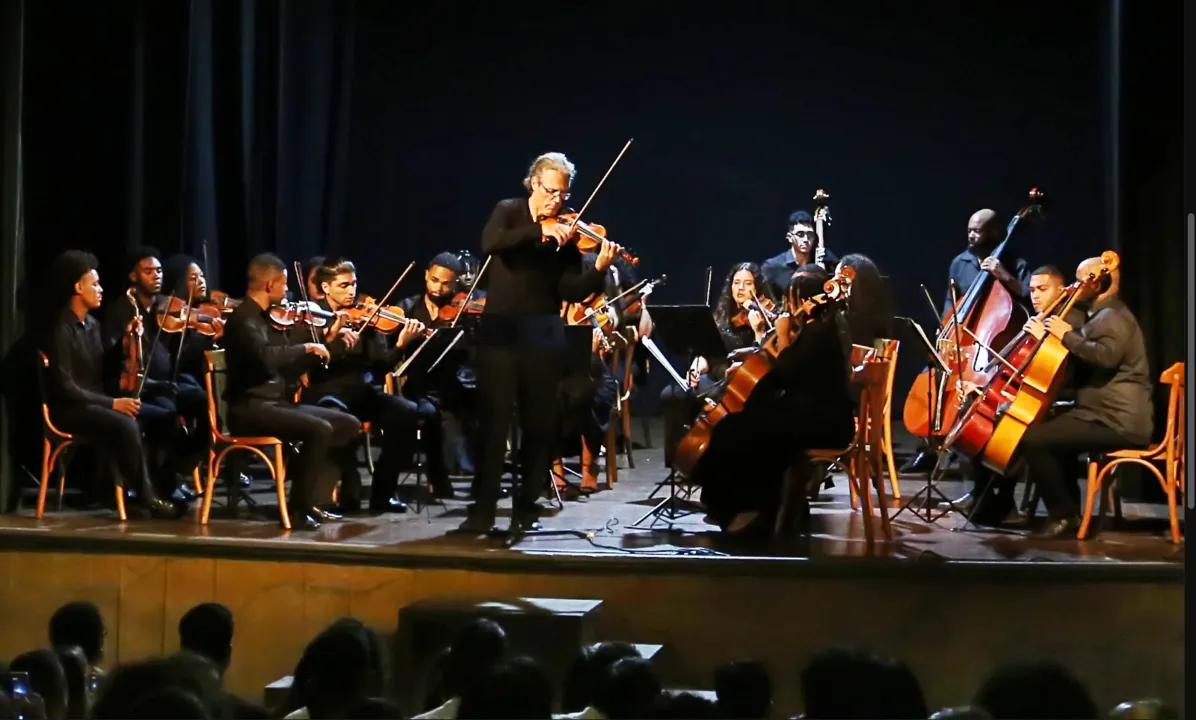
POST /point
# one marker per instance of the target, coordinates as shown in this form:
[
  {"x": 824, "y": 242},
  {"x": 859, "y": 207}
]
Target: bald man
[{"x": 1113, "y": 404}]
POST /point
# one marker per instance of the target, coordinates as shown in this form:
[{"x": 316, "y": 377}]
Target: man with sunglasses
[{"x": 803, "y": 250}]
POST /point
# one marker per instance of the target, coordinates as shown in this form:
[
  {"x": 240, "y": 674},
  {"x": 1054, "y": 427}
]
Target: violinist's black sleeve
[{"x": 510, "y": 226}]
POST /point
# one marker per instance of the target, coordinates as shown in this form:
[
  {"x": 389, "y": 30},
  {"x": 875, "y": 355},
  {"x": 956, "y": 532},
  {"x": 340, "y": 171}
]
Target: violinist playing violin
[
  {"x": 742, "y": 325},
  {"x": 534, "y": 266},
  {"x": 805, "y": 402},
  {"x": 174, "y": 410},
  {"x": 1113, "y": 407},
  {"x": 183, "y": 278},
  {"x": 451, "y": 386},
  {"x": 986, "y": 230},
  {"x": 803, "y": 249},
  {"x": 360, "y": 359},
  {"x": 79, "y": 399},
  {"x": 259, "y": 404}
]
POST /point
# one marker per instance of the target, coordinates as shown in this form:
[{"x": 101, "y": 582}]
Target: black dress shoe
[
  {"x": 323, "y": 515},
  {"x": 524, "y": 523},
  {"x": 391, "y": 505},
  {"x": 1064, "y": 529},
  {"x": 477, "y": 525},
  {"x": 303, "y": 521},
  {"x": 160, "y": 509},
  {"x": 186, "y": 493},
  {"x": 964, "y": 503},
  {"x": 347, "y": 507}
]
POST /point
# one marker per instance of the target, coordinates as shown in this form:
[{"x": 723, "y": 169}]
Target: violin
[
  {"x": 219, "y": 302},
  {"x": 385, "y": 320},
  {"x": 764, "y": 306},
  {"x": 287, "y": 314},
  {"x": 588, "y": 237},
  {"x": 133, "y": 368},
  {"x": 174, "y": 317},
  {"x": 456, "y": 306}
]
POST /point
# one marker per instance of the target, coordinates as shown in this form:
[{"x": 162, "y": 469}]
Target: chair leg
[
  {"x": 1173, "y": 509},
  {"x": 45, "y": 479},
  {"x": 280, "y": 483},
  {"x": 890, "y": 461},
  {"x": 625, "y": 421},
  {"x": 1090, "y": 501},
  {"x": 589, "y": 478}
]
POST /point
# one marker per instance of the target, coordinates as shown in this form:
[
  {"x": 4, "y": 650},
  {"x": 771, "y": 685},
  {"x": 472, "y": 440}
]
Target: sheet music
[{"x": 656, "y": 353}]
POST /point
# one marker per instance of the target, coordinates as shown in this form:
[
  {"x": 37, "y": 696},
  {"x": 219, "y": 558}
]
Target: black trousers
[
  {"x": 116, "y": 437},
  {"x": 1049, "y": 448},
  {"x": 507, "y": 376},
  {"x": 322, "y": 432},
  {"x": 175, "y": 447}
]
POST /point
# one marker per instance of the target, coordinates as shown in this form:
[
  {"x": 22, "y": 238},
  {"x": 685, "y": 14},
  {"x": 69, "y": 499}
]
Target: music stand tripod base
[
  {"x": 669, "y": 510},
  {"x": 928, "y": 494}
]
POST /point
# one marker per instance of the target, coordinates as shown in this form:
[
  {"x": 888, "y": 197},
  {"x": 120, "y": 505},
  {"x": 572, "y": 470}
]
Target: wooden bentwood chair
[{"x": 1170, "y": 451}]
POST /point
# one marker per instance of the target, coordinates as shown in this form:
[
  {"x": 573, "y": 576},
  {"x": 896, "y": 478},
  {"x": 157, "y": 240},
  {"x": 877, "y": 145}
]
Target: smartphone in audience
[
  {"x": 17, "y": 684},
  {"x": 93, "y": 682}
]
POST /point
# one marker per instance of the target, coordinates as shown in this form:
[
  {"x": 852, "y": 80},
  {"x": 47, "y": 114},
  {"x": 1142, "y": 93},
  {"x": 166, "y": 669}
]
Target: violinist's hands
[
  {"x": 992, "y": 265},
  {"x": 756, "y": 320},
  {"x": 318, "y": 350},
  {"x": 1057, "y": 326},
  {"x": 596, "y": 340},
  {"x": 965, "y": 388},
  {"x": 410, "y": 331},
  {"x": 1035, "y": 327},
  {"x": 349, "y": 337},
  {"x": 553, "y": 230},
  {"x": 697, "y": 368},
  {"x": 127, "y": 406},
  {"x": 606, "y": 255}
]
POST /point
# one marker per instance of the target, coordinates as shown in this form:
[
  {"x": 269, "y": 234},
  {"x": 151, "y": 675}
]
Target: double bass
[
  {"x": 743, "y": 377},
  {"x": 986, "y": 316},
  {"x": 1024, "y": 385}
]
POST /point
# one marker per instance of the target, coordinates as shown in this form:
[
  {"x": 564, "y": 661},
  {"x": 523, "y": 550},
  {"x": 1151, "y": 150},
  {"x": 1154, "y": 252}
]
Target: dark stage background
[{"x": 386, "y": 131}]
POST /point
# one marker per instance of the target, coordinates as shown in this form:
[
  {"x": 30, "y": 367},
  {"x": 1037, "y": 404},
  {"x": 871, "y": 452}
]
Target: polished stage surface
[{"x": 598, "y": 531}]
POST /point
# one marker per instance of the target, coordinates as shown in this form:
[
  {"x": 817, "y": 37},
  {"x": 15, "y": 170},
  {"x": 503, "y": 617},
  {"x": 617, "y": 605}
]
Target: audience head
[
  {"x": 339, "y": 669},
  {"x": 1035, "y": 690},
  {"x": 268, "y": 277},
  {"x": 832, "y": 680},
  {"x": 744, "y": 689},
  {"x": 207, "y": 630},
  {"x": 512, "y": 690},
  {"x": 686, "y": 706},
  {"x": 79, "y": 624},
  {"x": 1143, "y": 710},
  {"x": 127, "y": 686},
  {"x": 76, "y": 274},
  {"x": 376, "y": 709},
  {"x": 77, "y": 671},
  {"x": 46, "y": 678},
  {"x": 587, "y": 667},
  {"x": 964, "y": 712},
  {"x": 627, "y": 689},
  {"x": 168, "y": 703},
  {"x": 435, "y": 693},
  {"x": 7, "y": 711},
  {"x": 480, "y": 645}
]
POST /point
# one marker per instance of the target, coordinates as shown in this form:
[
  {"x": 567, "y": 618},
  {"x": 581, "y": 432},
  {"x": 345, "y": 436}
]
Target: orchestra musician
[
  {"x": 352, "y": 382},
  {"x": 311, "y": 285},
  {"x": 1113, "y": 407},
  {"x": 77, "y": 396},
  {"x": 533, "y": 268},
  {"x": 805, "y": 402},
  {"x": 995, "y": 494},
  {"x": 182, "y": 277},
  {"x": 986, "y": 230},
  {"x": 586, "y": 401},
  {"x": 451, "y": 386},
  {"x": 869, "y": 311},
  {"x": 802, "y": 238},
  {"x": 258, "y": 400},
  {"x": 741, "y": 326},
  {"x": 174, "y": 448}
]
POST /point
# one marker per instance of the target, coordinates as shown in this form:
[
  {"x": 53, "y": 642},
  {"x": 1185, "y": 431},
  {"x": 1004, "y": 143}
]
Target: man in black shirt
[
  {"x": 1113, "y": 405},
  {"x": 78, "y": 400},
  {"x": 353, "y": 382},
  {"x": 533, "y": 268},
  {"x": 258, "y": 404},
  {"x": 802, "y": 237}
]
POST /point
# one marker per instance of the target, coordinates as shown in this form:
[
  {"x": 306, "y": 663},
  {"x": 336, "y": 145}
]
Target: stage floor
[{"x": 599, "y": 528}]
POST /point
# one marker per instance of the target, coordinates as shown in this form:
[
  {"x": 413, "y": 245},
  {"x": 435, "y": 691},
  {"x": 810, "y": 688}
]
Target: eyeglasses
[
  {"x": 801, "y": 234},
  {"x": 562, "y": 194}
]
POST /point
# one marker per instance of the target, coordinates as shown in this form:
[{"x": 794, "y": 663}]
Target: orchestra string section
[{"x": 1029, "y": 366}]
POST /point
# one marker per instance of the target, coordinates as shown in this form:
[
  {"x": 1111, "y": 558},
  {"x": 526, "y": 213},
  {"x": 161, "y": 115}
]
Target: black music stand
[
  {"x": 926, "y": 496},
  {"x": 681, "y": 330}
]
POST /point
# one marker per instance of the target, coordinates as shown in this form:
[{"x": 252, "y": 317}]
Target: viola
[
  {"x": 986, "y": 316},
  {"x": 385, "y": 320},
  {"x": 1025, "y": 382},
  {"x": 133, "y": 368},
  {"x": 287, "y": 314},
  {"x": 754, "y": 364},
  {"x": 174, "y": 316},
  {"x": 588, "y": 237},
  {"x": 456, "y": 306}
]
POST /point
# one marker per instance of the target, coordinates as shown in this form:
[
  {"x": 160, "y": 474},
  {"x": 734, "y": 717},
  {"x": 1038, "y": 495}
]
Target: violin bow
[
  {"x": 307, "y": 305},
  {"x": 590, "y": 199},
  {"x": 178, "y": 353},
  {"x": 709, "y": 279},
  {"x": 380, "y": 303}
]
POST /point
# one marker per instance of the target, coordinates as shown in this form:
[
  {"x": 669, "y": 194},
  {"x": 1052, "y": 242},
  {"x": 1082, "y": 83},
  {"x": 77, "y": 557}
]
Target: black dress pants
[
  {"x": 322, "y": 431},
  {"x": 529, "y": 377},
  {"x": 115, "y": 436},
  {"x": 1049, "y": 449}
]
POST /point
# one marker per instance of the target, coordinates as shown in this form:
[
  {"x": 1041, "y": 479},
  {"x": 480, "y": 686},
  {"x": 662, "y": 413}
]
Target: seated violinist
[
  {"x": 258, "y": 400},
  {"x": 587, "y": 398},
  {"x": 1113, "y": 404},
  {"x": 450, "y": 387},
  {"x": 741, "y": 326},
  {"x": 78, "y": 399},
  {"x": 175, "y": 448},
  {"x": 805, "y": 402},
  {"x": 361, "y": 357},
  {"x": 992, "y": 500},
  {"x": 182, "y": 277}
]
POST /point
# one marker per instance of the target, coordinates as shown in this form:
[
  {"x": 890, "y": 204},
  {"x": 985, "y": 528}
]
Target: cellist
[
  {"x": 1113, "y": 403},
  {"x": 985, "y": 231}
]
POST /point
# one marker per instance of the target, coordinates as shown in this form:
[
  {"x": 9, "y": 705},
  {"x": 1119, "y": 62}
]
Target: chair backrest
[
  {"x": 43, "y": 367},
  {"x": 215, "y": 382},
  {"x": 1174, "y": 433}
]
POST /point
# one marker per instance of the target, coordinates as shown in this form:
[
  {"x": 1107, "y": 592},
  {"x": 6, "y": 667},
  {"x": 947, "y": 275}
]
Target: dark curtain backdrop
[{"x": 387, "y": 130}]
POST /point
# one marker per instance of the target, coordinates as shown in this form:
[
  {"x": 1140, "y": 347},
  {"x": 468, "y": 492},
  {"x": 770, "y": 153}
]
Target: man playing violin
[
  {"x": 258, "y": 400},
  {"x": 360, "y": 359},
  {"x": 1113, "y": 407},
  {"x": 803, "y": 250},
  {"x": 534, "y": 266},
  {"x": 78, "y": 397},
  {"x": 173, "y": 414}
]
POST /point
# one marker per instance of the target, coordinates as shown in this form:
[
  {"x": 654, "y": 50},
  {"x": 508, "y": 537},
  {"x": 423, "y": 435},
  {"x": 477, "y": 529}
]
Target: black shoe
[
  {"x": 477, "y": 525},
  {"x": 1064, "y": 529},
  {"x": 964, "y": 503},
  {"x": 160, "y": 509},
  {"x": 303, "y": 521},
  {"x": 524, "y": 523},
  {"x": 1015, "y": 520},
  {"x": 390, "y": 505},
  {"x": 243, "y": 481},
  {"x": 347, "y": 507},
  {"x": 922, "y": 462},
  {"x": 323, "y": 515},
  {"x": 186, "y": 493}
]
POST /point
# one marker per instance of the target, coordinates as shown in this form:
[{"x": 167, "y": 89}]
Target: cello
[
  {"x": 986, "y": 316},
  {"x": 742, "y": 378},
  {"x": 1024, "y": 385}
]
